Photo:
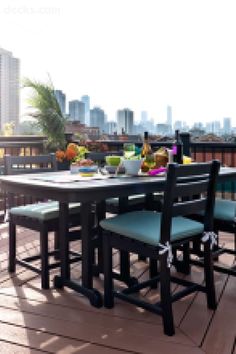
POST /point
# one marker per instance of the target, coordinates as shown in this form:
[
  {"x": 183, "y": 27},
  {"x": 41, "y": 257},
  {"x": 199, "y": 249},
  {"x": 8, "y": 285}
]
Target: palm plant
[{"x": 47, "y": 112}]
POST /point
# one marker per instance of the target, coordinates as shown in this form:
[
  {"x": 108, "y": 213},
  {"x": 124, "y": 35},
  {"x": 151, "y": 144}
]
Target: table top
[{"x": 64, "y": 186}]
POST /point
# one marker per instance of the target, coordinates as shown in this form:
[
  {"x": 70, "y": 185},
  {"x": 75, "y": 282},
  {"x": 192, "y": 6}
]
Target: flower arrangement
[{"x": 73, "y": 153}]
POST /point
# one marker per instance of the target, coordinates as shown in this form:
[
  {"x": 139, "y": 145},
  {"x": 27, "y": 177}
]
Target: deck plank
[
  {"x": 38, "y": 341},
  {"x": 79, "y": 324},
  {"x": 11, "y": 348},
  {"x": 198, "y": 309},
  {"x": 34, "y": 320},
  {"x": 222, "y": 332}
]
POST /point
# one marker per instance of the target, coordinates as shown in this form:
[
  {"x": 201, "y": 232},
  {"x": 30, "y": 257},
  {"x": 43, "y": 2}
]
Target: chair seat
[
  {"x": 145, "y": 225},
  {"x": 225, "y": 210},
  {"x": 43, "y": 211}
]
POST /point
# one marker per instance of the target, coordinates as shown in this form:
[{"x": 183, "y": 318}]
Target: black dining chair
[
  {"x": 41, "y": 216},
  {"x": 153, "y": 234},
  {"x": 224, "y": 221},
  {"x": 129, "y": 203}
]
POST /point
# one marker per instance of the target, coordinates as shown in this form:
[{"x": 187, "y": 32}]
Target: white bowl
[{"x": 132, "y": 167}]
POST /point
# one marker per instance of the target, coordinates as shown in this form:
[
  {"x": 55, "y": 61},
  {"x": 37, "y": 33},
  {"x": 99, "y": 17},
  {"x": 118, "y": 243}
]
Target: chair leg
[
  {"x": 216, "y": 247},
  {"x": 142, "y": 258},
  {"x": 235, "y": 244},
  {"x": 124, "y": 265},
  {"x": 108, "y": 281},
  {"x": 57, "y": 245},
  {"x": 209, "y": 277},
  {"x": 44, "y": 257},
  {"x": 186, "y": 259},
  {"x": 153, "y": 272},
  {"x": 166, "y": 302},
  {"x": 12, "y": 248}
]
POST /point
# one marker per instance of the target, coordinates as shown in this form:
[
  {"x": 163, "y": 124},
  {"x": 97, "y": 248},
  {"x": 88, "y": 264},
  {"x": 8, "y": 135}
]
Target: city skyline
[
  {"x": 124, "y": 121},
  {"x": 143, "y": 55},
  {"x": 9, "y": 88},
  {"x": 216, "y": 126}
]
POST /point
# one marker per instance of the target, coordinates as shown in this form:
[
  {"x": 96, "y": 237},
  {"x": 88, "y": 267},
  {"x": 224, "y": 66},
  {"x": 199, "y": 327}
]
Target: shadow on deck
[{"x": 52, "y": 321}]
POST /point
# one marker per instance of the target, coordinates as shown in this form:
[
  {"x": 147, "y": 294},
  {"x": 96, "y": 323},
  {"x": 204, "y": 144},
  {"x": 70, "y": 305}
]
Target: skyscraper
[
  {"x": 97, "y": 118},
  {"x": 77, "y": 111},
  {"x": 111, "y": 127},
  {"x": 61, "y": 99},
  {"x": 144, "y": 118},
  {"x": 227, "y": 125},
  {"x": 125, "y": 121},
  {"x": 169, "y": 118},
  {"x": 86, "y": 100},
  {"x": 9, "y": 88},
  {"x": 178, "y": 125}
]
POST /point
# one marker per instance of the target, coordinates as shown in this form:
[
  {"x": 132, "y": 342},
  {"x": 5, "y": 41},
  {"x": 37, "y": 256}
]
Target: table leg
[
  {"x": 86, "y": 288},
  {"x": 87, "y": 247},
  {"x": 59, "y": 281},
  {"x": 101, "y": 214},
  {"x": 87, "y": 257}
]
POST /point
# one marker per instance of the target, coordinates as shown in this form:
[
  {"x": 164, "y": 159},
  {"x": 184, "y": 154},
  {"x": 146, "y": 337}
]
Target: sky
[{"x": 140, "y": 54}]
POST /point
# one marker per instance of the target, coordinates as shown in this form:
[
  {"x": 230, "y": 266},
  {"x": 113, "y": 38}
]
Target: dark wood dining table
[{"x": 66, "y": 188}]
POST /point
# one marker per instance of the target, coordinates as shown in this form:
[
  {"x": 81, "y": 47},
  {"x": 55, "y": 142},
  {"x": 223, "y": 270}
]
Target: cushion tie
[
  {"x": 166, "y": 248},
  {"x": 210, "y": 235}
]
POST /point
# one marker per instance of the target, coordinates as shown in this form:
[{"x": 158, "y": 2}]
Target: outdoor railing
[
  {"x": 199, "y": 151},
  {"x": 222, "y": 151}
]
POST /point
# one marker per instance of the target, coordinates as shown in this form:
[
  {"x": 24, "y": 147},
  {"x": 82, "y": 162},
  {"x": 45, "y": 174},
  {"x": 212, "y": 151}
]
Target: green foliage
[
  {"x": 8, "y": 129},
  {"x": 29, "y": 127},
  {"x": 47, "y": 112}
]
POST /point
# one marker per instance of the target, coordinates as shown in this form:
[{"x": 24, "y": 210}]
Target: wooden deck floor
[{"x": 36, "y": 321}]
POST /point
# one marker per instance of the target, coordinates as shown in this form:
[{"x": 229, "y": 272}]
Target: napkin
[{"x": 157, "y": 171}]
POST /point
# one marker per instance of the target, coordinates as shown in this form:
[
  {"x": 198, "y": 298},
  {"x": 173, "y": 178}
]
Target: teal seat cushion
[
  {"x": 43, "y": 211},
  {"x": 145, "y": 226},
  {"x": 225, "y": 210}
]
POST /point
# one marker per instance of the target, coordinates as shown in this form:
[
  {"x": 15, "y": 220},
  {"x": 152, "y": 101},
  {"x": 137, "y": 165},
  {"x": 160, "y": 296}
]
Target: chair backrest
[
  {"x": 29, "y": 164},
  {"x": 14, "y": 165},
  {"x": 100, "y": 157},
  {"x": 189, "y": 189}
]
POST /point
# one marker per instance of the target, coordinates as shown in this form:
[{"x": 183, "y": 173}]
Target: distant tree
[
  {"x": 47, "y": 112},
  {"x": 29, "y": 127},
  {"x": 8, "y": 129}
]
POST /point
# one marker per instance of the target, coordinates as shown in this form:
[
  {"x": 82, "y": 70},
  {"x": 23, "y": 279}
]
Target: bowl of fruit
[{"x": 86, "y": 167}]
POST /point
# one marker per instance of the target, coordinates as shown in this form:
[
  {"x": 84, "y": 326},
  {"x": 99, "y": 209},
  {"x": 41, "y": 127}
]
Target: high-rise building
[
  {"x": 162, "y": 128},
  {"x": 209, "y": 127},
  {"x": 216, "y": 127},
  {"x": 178, "y": 125},
  {"x": 144, "y": 118},
  {"x": 9, "y": 88},
  {"x": 97, "y": 118},
  {"x": 86, "y": 100},
  {"x": 125, "y": 121},
  {"x": 169, "y": 118},
  {"x": 111, "y": 127},
  {"x": 61, "y": 99},
  {"x": 227, "y": 125},
  {"x": 77, "y": 111}
]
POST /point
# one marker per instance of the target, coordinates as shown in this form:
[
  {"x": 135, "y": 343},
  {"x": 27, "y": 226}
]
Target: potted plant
[{"x": 132, "y": 159}]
